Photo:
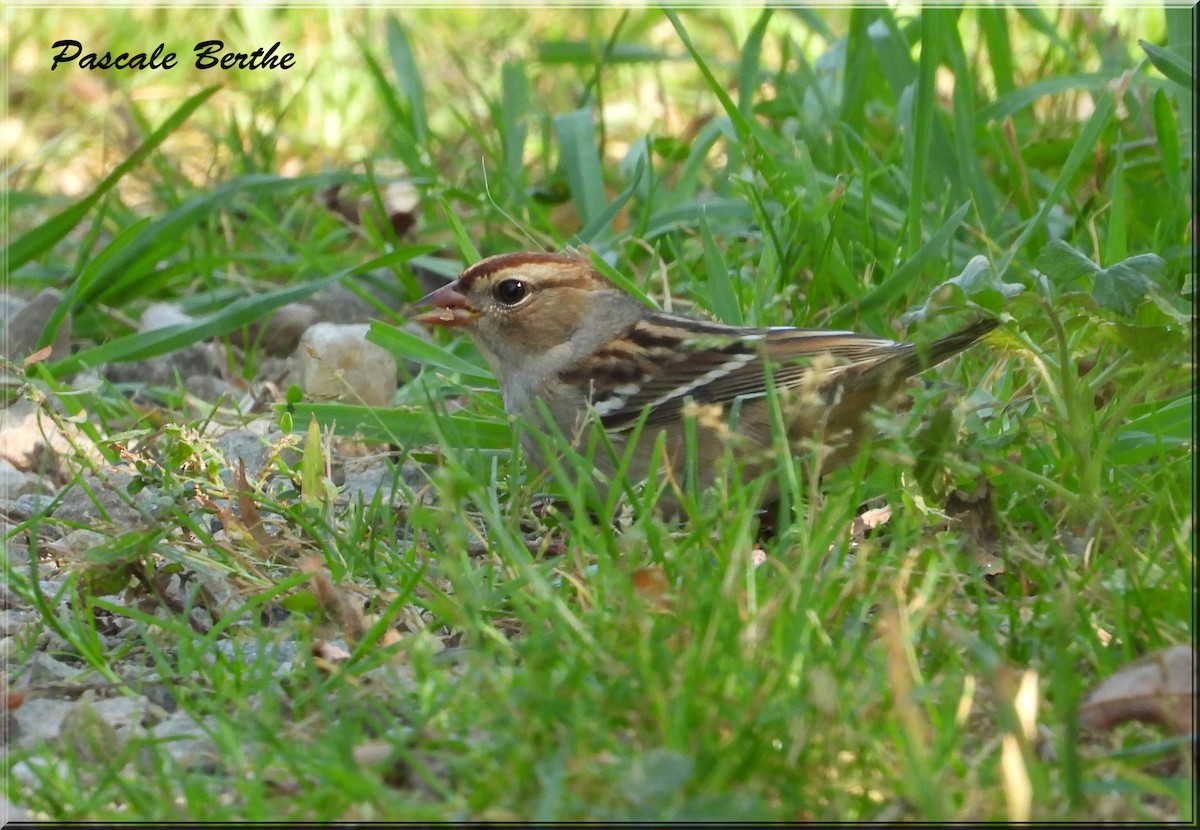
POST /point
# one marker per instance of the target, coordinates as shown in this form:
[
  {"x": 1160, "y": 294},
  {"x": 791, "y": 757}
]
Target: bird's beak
[{"x": 451, "y": 308}]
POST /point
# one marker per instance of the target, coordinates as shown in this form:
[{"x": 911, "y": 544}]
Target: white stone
[{"x": 335, "y": 361}]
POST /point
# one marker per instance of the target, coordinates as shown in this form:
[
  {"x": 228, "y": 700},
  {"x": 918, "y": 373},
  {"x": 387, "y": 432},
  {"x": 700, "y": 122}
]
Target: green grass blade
[
  {"x": 403, "y": 145},
  {"x": 514, "y": 109},
  {"x": 1166, "y": 131},
  {"x": 122, "y": 240},
  {"x": 600, "y": 227},
  {"x": 127, "y": 271},
  {"x": 857, "y": 69},
  {"x": 893, "y": 52},
  {"x": 924, "y": 103},
  {"x": 1173, "y": 65},
  {"x": 46, "y": 235},
  {"x": 907, "y": 273},
  {"x": 1116, "y": 245},
  {"x": 409, "y": 78},
  {"x": 408, "y": 426},
  {"x": 144, "y": 345},
  {"x": 584, "y": 53},
  {"x": 740, "y": 122},
  {"x": 581, "y": 162},
  {"x": 1036, "y": 18},
  {"x": 1088, "y": 136},
  {"x": 466, "y": 247},
  {"x": 993, "y": 20},
  {"x": 725, "y": 303},
  {"x": 733, "y": 213},
  {"x": 967, "y": 173},
  {"x": 1026, "y": 96},
  {"x": 748, "y": 64},
  {"x": 409, "y": 346}
]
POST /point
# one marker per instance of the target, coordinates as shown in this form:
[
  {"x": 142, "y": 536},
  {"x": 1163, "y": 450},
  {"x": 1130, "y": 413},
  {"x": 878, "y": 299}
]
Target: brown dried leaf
[
  {"x": 37, "y": 357},
  {"x": 869, "y": 520},
  {"x": 329, "y": 651},
  {"x": 248, "y": 507},
  {"x": 976, "y": 518},
  {"x": 11, "y": 701},
  {"x": 400, "y": 201},
  {"x": 652, "y": 585},
  {"x": 333, "y": 199},
  {"x": 1157, "y": 688},
  {"x": 334, "y": 601}
]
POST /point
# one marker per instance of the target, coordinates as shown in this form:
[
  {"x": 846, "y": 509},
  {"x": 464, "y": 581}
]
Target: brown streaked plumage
[{"x": 555, "y": 330}]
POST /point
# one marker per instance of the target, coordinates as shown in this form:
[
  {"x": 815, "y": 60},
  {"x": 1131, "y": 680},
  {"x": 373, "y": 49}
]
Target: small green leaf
[
  {"x": 1172, "y": 64},
  {"x": 312, "y": 467},
  {"x": 671, "y": 148},
  {"x": 978, "y": 284},
  {"x": 1063, "y": 264},
  {"x": 1122, "y": 287}
]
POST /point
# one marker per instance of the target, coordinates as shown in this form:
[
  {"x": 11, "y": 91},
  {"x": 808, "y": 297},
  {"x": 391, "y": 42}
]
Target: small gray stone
[
  {"x": 161, "y": 315},
  {"x": 22, "y": 325},
  {"x": 101, "y": 501},
  {"x": 43, "y": 669},
  {"x": 186, "y": 741},
  {"x": 283, "y": 654},
  {"x": 14, "y": 482},
  {"x": 28, "y": 505},
  {"x": 38, "y": 720},
  {"x": 10, "y": 649},
  {"x": 197, "y": 359},
  {"x": 338, "y": 304},
  {"x": 13, "y": 621},
  {"x": 366, "y": 481},
  {"x": 279, "y": 334},
  {"x": 247, "y": 445},
  {"x": 78, "y": 541},
  {"x": 212, "y": 389}
]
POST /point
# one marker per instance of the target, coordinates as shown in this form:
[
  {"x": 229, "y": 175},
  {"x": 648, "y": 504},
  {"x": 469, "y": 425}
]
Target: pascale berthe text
[{"x": 210, "y": 54}]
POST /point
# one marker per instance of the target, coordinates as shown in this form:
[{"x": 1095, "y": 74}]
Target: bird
[{"x": 569, "y": 346}]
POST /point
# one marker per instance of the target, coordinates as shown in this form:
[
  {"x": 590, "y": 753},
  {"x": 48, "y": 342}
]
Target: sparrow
[{"x": 565, "y": 341}]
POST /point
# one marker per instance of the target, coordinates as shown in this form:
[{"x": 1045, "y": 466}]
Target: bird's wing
[{"x": 680, "y": 358}]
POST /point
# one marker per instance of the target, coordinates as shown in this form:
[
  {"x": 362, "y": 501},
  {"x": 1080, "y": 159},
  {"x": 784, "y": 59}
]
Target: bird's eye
[{"x": 511, "y": 292}]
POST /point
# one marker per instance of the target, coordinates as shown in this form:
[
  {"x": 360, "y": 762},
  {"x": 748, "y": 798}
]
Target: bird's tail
[{"x": 917, "y": 359}]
